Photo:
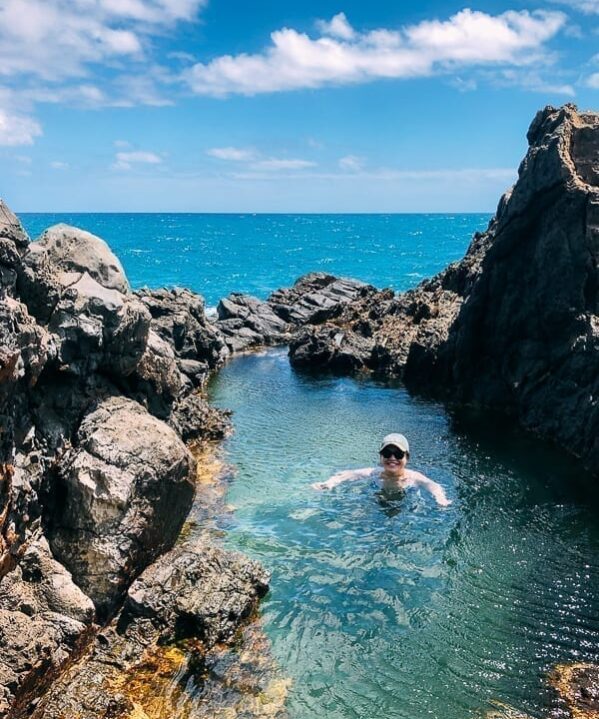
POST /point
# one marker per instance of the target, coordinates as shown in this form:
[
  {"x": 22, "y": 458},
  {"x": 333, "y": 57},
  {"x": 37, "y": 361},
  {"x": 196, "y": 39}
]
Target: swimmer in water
[{"x": 393, "y": 474}]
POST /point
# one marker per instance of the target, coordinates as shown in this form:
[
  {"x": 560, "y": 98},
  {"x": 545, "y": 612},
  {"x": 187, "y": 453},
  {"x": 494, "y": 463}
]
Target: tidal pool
[{"x": 398, "y": 608}]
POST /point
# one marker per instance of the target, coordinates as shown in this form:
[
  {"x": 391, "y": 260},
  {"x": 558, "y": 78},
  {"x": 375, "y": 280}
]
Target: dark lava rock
[
  {"x": 201, "y": 592},
  {"x": 179, "y": 318},
  {"x": 332, "y": 348},
  {"x": 190, "y": 600},
  {"x": 193, "y": 418},
  {"x": 127, "y": 489},
  {"x": 315, "y": 298},
  {"x": 246, "y": 322},
  {"x": 98, "y": 329}
]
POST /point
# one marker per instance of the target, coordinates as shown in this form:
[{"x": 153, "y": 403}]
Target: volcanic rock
[
  {"x": 44, "y": 619},
  {"x": 315, "y": 298},
  {"x": 99, "y": 329},
  {"x": 192, "y": 598},
  {"x": 178, "y": 317},
  {"x": 246, "y": 322},
  {"x": 127, "y": 489}
]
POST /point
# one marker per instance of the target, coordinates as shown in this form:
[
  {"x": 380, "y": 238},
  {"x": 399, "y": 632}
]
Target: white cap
[{"x": 397, "y": 440}]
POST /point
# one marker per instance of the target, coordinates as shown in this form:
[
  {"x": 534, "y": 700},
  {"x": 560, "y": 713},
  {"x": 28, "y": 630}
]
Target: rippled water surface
[{"x": 397, "y": 608}]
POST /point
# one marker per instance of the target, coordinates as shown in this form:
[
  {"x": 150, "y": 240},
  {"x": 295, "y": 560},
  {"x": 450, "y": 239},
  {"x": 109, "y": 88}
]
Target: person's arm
[
  {"x": 347, "y": 475},
  {"x": 434, "y": 488}
]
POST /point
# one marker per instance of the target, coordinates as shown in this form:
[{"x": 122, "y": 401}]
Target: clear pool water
[{"x": 386, "y": 609}]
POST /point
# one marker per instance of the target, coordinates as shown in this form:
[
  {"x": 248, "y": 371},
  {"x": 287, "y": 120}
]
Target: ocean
[{"x": 218, "y": 254}]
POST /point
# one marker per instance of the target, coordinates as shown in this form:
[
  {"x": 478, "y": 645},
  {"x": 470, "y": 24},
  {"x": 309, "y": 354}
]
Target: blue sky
[{"x": 224, "y": 106}]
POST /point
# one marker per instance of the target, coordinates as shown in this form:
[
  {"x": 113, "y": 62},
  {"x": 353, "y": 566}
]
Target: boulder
[
  {"x": 11, "y": 228},
  {"x": 174, "y": 634},
  {"x": 45, "y": 619},
  {"x": 127, "y": 487},
  {"x": 179, "y": 318},
  {"x": 331, "y": 348},
  {"x": 98, "y": 329},
  {"x": 75, "y": 251},
  {"x": 193, "y": 418},
  {"x": 58, "y": 260},
  {"x": 202, "y": 592}
]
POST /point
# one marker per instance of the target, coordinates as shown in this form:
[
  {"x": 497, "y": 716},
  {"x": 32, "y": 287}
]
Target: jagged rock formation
[
  {"x": 247, "y": 323},
  {"x": 514, "y": 326},
  {"x": 98, "y": 389},
  {"x": 194, "y": 597}
]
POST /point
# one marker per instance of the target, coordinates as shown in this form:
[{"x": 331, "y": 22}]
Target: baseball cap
[{"x": 397, "y": 440}]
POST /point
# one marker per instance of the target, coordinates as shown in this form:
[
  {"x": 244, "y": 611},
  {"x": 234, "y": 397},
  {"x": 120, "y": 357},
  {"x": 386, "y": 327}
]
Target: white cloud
[
  {"x": 235, "y": 154},
  {"x": 593, "y": 81},
  {"x": 126, "y": 160},
  {"x": 351, "y": 163},
  {"x": 257, "y": 161},
  {"x": 121, "y": 144},
  {"x": 273, "y": 163},
  {"x": 59, "y": 165},
  {"x": 588, "y": 7},
  {"x": 17, "y": 129},
  {"x": 533, "y": 82},
  {"x": 294, "y": 60},
  {"x": 50, "y": 48},
  {"x": 338, "y": 26}
]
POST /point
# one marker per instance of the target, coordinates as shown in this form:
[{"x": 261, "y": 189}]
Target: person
[{"x": 393, "y": 474}]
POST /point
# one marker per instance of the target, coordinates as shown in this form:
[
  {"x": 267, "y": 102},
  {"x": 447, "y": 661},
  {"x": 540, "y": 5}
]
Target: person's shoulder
[{"x": 418, "y": 476}]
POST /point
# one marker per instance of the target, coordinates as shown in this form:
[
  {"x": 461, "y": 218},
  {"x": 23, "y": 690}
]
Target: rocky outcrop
[
  {"x": 316, "y": 297},
  {"x": 126, "y": 490},
  {"x": 247, "y": 323},
  {"x": 99, "y": 389},
  {"x": 178, "y": 317},
  {"x": 192, "y": 599},
  {"x": 200, "y": 592},
  {"x": 514, "y": 326}
]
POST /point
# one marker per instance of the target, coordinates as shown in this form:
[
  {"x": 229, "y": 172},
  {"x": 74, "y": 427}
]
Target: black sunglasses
[{"x": 389, "y": 452}]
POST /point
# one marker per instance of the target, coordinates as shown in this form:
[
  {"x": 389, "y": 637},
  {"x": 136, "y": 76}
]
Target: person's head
[{"x": 394, "y": 453}]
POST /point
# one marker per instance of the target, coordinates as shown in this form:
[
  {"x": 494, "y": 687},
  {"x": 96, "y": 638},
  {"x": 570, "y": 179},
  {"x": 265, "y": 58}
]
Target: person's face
[{"x": 393, "y": 459}]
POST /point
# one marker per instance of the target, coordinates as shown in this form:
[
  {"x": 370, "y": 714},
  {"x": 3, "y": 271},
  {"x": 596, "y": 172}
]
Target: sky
[{"x": 328, "y": 106}]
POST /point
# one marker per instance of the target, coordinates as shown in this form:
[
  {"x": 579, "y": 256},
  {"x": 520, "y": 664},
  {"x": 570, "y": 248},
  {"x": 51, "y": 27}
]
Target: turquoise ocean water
[
  {"x": 381, "y": 608},
  {"x": 218, "y": 254}
]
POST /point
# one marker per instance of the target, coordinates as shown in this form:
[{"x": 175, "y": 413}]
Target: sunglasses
[{"x": 387, "y": 453}]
